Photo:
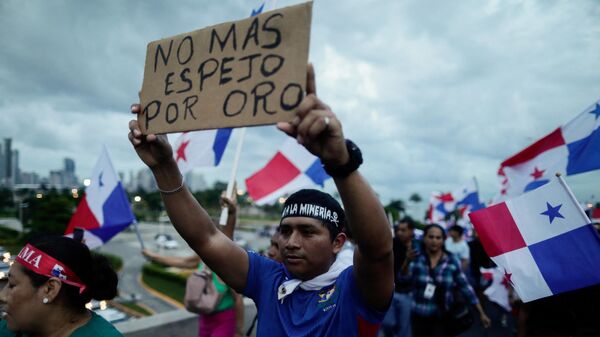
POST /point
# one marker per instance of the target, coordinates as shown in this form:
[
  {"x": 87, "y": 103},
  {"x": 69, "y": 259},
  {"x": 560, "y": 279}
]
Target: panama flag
[
  {"x": 104, "y": 210},
  {"x": 463, "y": 200},
  {"x": 572, "y": 148},
  {"x": 542, "y": 240},
  {"x": 437, "y": 211},
  {"x": 200, "y": 148},
  {"x": 291, "y": 169}
]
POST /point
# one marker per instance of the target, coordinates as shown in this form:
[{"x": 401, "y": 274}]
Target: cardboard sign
[{"x": 242, "y": 73}]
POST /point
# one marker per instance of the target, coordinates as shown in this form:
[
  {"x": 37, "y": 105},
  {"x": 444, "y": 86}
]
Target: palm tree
[
  {"x": 416, "y": 198},
  {"x": 396, "y": 207}
]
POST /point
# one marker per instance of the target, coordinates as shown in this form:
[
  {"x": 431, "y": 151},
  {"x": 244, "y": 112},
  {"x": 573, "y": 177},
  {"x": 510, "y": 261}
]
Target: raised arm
[
  {"x": 317, "y": 128},
  {"x": 192, "y": 222},
  {"x": 173, "y": 261}
]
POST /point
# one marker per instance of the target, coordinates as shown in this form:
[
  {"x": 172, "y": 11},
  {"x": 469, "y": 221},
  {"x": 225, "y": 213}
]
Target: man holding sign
[{"x": 310, "y": 294}]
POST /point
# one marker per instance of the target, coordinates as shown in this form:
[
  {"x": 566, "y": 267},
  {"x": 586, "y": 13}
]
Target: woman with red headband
[{"x": 48, "y": 287}]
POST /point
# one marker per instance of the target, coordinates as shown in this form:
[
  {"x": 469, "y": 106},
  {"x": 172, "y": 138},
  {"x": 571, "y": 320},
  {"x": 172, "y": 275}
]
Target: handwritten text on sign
[{"x": 248, "y": 72}]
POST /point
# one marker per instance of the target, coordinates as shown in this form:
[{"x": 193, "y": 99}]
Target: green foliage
[
  {"x": 396, "y": 207},
  {"x": 209, "y": 199},
  {"x": 51, "y": 213},
  {"x": 116, "y": 262},
  {"x": 137, "y": 308},
  {"x": 150, "y": 207},
  {"x": 415, "y": 197},
  {"x": 10, "y": 237},
  {"x": 6, "y": 198},
  {"x": 159, "y": 270},
  {"x": 170, "y": 284}
]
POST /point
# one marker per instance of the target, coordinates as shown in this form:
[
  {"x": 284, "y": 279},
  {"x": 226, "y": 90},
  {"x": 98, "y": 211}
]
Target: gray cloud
[{"x": 434, "y": 92}]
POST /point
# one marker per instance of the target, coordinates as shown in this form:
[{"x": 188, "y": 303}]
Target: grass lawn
[
  {"x": 133, "y": 306},
  {"x": 169, "y": 286}
]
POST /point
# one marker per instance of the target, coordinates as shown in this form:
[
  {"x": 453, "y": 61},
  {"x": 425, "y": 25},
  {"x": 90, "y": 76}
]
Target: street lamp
[{"x": 137, "y": 198}]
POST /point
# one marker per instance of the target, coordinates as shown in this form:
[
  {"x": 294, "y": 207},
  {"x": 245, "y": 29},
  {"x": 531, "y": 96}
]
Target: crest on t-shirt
[
  {"x": 327, "y": 298},
  {"x": 326, "y": 294}
]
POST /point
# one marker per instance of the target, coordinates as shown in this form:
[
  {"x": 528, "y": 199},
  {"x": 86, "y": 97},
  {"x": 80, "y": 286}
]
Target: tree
[
  {"x": 6, "y": 198},
  {"x": 51, "y": 213},
  {"x": 396, "y": 207},
  {"x": 415, "y": 197}
]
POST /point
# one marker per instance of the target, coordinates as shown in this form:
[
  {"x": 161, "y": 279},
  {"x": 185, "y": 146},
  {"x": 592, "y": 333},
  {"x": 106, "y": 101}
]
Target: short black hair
[
  {"x": 408, "y": 221},
  {"x": 458, "y": 229}
]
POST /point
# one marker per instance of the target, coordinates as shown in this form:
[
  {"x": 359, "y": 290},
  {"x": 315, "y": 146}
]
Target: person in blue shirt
[{"x": 309, "y": 294}]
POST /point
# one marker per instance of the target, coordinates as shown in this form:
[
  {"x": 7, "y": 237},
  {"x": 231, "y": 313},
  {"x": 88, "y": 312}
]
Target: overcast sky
[{"x": 434, "y": 92}]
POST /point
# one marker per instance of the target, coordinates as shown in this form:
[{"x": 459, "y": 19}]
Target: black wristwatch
[{"x": 354, "y": 161}]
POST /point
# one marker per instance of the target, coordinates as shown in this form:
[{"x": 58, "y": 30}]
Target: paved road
[
  {"x": 127, "y": 246},
  {"x": 11, "y": 223}
]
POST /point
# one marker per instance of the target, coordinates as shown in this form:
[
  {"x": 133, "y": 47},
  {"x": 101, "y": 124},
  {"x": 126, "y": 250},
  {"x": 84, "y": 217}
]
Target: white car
[{"x": 165, "y": 241}]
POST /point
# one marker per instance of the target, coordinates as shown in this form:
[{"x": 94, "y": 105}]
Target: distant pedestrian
[
  {"x": 397, "y": 320},
  {"x": 435, "y": 274},
  {"x": 456, "y": 244}
]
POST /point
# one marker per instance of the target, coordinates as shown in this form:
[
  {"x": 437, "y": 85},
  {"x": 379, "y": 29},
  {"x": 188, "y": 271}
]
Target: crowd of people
[
  {"x": 429, "y": 278},
  {"x": 331, "y": 269}
]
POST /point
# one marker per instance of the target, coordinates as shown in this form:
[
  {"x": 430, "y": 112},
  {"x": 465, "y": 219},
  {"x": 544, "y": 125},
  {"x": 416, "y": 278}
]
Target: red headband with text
[{"x": 44, "y": 264}]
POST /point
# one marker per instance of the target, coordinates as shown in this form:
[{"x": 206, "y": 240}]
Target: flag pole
[
  {"x": 564, "y": 184},
  {"x": 137, "y": 233},
  {"x": 236, "y": 160}
]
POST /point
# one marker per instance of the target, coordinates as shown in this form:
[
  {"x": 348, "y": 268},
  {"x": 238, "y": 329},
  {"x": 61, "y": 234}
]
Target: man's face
[
  {"x": 404, "y": 233},
  {"x": 306, "y": 247}
]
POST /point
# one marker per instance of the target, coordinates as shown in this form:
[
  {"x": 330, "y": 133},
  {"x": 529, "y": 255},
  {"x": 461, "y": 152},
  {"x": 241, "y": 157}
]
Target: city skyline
[{"x": 433, "y": 93}]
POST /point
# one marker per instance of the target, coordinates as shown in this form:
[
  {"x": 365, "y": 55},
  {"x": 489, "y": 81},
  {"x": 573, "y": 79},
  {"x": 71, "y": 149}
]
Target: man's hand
[
  {"x": 231, "y": 204},
  {"x": 316, "y": 126},
  {"x": 152, "y": 149},
  {"x": 411, "y": 255}
]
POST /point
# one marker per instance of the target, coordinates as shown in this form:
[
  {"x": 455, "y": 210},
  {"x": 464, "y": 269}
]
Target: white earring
[{"x": 45, "y": 300}]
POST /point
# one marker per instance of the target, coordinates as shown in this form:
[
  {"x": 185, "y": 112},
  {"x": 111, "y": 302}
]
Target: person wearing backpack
[{"x": 224, "y": 315}]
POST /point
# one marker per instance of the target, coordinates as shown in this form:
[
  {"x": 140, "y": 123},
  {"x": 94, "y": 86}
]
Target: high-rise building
[
  {"x": 145, "y": 180},
  {"x": 1, "y": 165},
  {"x": 8, "y": 166},
  {"x": 56, "y": 179},
  {"x": 15, "y": 169},
  {"x": 69, "y": 165},
  {"x": 69, "y": 177},
  {"x": 29, "y": 178}
]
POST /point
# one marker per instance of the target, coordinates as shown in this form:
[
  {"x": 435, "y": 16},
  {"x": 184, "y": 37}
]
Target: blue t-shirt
[{"x": 336, "y": 310}]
